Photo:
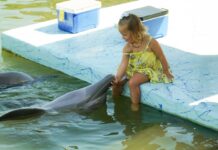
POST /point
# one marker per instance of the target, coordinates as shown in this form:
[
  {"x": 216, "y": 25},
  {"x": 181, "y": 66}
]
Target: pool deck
[{"x": 189, "y": 46}]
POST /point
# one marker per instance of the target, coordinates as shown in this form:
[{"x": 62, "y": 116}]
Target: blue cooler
[
  {"x": 78, "y": 15},
  {"x": 155, "y": 19}
]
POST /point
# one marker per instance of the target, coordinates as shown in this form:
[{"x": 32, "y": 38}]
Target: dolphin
[
  {"x": 10, "y": 79},
  {"x": 81, "y": 100},
  {"x": 13, "y": 79}
]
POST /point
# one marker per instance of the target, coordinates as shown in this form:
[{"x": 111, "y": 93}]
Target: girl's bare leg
[{"x": 134, "y": 85}]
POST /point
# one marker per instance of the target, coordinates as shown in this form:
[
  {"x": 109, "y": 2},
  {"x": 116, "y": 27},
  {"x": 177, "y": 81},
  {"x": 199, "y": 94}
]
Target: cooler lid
[
  {"x": 78, "y": 6},
  {"x": 148, "y": 12}
]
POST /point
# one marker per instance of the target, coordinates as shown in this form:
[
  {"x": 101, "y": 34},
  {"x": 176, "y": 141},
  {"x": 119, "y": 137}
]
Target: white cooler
[{"x": 78, "y": 15}]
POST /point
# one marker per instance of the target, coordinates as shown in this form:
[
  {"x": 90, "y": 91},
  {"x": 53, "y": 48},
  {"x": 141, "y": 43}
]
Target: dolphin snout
[
  {"x": 101, "y": 87},
  {"x": 109, "y": 78},
  {"x": 106, "y": 82}
]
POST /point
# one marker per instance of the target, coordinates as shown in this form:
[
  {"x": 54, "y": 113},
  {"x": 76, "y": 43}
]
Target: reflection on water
[
  {"x": 112, "y": 127},
  {"x": 151, "y": 129}
]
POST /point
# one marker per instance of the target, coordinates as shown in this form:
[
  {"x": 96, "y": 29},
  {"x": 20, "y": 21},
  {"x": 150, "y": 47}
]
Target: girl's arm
[
  {"x": 123, "y": 65},
  {"x": 155, "y": 47}
]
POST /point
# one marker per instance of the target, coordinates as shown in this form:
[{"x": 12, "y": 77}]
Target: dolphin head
[
  {"x": 98, "y": 89},
  {"x": 84, "y": 99},
  {"x": 97, "y": 92}
]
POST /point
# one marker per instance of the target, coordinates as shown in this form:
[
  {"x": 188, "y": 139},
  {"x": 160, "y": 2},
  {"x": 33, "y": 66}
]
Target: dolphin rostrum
[{"x": 84, "y": 99}]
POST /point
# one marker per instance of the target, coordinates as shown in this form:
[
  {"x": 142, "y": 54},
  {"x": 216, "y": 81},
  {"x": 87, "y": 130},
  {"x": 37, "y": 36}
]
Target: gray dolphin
[
  {"x": 9, "y": 79},
  {"x": 84, "y": 99}
]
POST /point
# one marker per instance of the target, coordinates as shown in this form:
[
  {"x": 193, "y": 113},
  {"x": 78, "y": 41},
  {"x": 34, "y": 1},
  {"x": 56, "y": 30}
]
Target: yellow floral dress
[{"x": 146, "y": 62}]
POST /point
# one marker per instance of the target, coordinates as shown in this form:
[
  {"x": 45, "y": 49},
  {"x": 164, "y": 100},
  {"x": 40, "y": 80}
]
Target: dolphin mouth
[{"x": 102, "y": 86}]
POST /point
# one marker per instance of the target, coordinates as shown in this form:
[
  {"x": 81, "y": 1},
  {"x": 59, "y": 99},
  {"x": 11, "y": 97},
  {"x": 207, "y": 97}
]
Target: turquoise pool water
[{"x": 112, "y": 127}]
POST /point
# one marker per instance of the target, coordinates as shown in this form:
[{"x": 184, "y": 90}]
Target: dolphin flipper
[{"x": 22, "y": 113}]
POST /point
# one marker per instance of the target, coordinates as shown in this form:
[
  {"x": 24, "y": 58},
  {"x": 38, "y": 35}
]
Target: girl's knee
[{"x": 132, "y": 83}]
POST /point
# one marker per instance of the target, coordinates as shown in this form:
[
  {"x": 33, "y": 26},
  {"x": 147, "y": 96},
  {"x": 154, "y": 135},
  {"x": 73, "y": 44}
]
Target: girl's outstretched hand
[{"x": 116, "y": 80}]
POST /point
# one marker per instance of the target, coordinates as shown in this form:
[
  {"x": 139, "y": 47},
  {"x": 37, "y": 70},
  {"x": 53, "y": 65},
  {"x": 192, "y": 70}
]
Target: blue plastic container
[
  {"x": 74, "y": 17},
  {"x": 155, "y": 19}
]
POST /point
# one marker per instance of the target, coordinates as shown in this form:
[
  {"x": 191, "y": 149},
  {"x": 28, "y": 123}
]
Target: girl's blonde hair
[{"x": 135, "y": 26}]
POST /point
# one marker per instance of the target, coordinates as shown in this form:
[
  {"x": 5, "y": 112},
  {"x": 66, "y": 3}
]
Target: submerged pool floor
[{"x": 93, "y": 54}]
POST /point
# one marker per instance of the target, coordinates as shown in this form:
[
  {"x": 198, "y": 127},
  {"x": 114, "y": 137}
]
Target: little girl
[{"x": 143, "y": 60}]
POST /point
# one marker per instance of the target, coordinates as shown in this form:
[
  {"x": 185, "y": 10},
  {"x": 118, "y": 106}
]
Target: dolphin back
[
  {"x": 22, "y": 113},
  {"x": 12, "y": 79}
]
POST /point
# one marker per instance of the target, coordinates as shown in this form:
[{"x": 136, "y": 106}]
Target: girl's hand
[
  {"x": 169, "y": 74},
  {"x": 116, "y": 80}
]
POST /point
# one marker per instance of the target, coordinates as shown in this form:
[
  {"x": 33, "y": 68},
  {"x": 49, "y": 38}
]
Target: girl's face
[{"x": 125, "y": 33}]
